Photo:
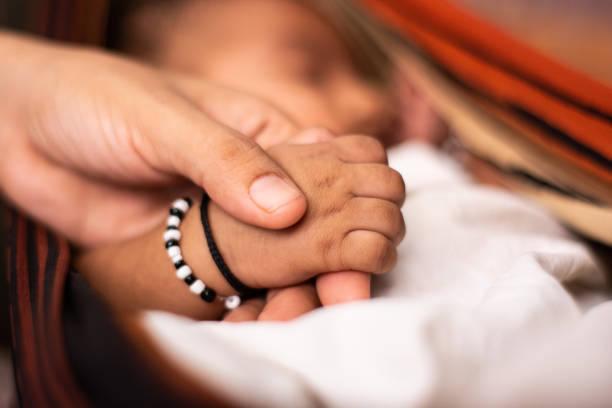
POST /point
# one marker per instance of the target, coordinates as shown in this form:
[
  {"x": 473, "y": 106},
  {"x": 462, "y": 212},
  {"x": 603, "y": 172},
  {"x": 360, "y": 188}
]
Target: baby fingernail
[{"x": 272, "y": 192}]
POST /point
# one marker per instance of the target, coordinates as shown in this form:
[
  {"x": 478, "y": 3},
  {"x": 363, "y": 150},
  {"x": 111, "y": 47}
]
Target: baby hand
[{"x": 353, "y": 221}]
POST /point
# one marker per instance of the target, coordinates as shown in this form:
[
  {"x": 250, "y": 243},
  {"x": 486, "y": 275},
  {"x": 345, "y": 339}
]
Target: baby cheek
[
  {"x": 364, "y": 108},
  {"x": 313, "y": 107},
  {"x": 308, "y": 106}
]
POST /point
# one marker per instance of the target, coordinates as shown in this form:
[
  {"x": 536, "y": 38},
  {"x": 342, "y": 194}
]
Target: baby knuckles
[
  {"x": 367, "y": 251},
  {"x": 372, "y": 214},
  {"x": 361, "y": 149},
  {"x": 353, "y": 228},
  {"x": 389, "y": 218},
  {"x": 395, "y": 185}
]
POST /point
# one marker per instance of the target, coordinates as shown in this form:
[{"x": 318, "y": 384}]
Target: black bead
[
  {"x": 171, "y": 227},
  {"x": 177, "y": 212},
  {"x": 171, "y": 243},
  {"x": 208, "y": 295},
  {"x": 188, "y": 200},
  {"x": 179, "y": 264},
  {"x": 190, "y": 279}
]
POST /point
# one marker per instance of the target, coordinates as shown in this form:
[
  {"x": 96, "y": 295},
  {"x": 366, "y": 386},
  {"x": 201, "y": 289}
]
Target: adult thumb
[
  {"x": 235, "y": 172},
  {"x": 343, "y": 286}
]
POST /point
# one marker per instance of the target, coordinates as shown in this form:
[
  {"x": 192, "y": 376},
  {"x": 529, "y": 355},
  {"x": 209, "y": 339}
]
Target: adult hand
[{"x": 95, "y": 145}]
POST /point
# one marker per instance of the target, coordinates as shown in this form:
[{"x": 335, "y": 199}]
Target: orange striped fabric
[
  {"x": 37, "y": 267},
  {"x": 572, "y": 113},
  {"x": 65, "y": 20}
]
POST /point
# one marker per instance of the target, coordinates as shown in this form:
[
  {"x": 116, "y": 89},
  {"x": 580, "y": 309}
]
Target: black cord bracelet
[{"x": 244, "y": 290}]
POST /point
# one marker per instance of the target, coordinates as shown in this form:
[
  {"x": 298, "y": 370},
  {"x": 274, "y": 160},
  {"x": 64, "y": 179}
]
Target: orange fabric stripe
[
  {"x": 43, "y": 375},
  {"x": 28, "y": 376},
  {"x": 68, "y": 20},
  {"x": 503, "y": 86},
  {"x": 544, "y": 140},
  {"x": 466, "y": 30}
]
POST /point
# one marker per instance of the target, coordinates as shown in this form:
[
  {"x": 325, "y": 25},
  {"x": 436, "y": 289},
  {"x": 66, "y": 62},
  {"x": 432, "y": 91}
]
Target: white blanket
[{"x": 477, "y": 313}]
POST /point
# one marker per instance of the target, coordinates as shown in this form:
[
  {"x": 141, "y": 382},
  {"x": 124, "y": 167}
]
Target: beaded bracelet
[{"x": 172, "y": 237}]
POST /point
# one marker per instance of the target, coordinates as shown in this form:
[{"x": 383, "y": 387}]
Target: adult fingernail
[{"x": 272, "y": 192}]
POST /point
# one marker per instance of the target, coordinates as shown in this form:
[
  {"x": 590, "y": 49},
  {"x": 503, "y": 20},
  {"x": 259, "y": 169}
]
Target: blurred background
[
  {"x": 6, "y": 382},
  {"x": 577, "y": 32}
]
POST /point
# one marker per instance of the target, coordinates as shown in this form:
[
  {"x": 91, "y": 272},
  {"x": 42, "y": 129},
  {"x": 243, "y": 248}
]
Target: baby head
[{"x": 279, "y": 50}]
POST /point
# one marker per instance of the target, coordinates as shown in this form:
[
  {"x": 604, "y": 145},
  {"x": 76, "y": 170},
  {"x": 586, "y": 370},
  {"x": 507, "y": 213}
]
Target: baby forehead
[{"x": 250, "y": 20}]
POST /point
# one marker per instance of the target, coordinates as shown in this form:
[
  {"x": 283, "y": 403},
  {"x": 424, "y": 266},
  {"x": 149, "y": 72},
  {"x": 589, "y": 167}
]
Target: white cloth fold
[{"x": 475, "y": 314}]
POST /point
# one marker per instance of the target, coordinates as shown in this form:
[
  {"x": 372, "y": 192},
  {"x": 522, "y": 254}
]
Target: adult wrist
[
  {"x": 26, "y": 62},
  {"x": 20, "y": 69},
  {"x": 19, "y": 55}
]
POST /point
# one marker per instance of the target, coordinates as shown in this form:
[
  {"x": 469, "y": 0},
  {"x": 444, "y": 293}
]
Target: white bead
[
  {"x": 172, "y": 234},
  {"x": 183, "y": 272},
  {"x": 174, "y": 251},
  {"x": 232, "y": 302},
  {"x": 177, "y": 258},
  {"x": 181, "y": 204},
  {"x": 197, "y": 287},
  {"x": 173, "y": 221}
]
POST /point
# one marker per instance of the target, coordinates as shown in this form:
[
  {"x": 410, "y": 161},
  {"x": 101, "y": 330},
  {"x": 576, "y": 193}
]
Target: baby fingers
[
  {"x": 376, "y": 215},
  {"x": 248, "y": 311},
  {"x": 367, "y": 251},
  {"x": 360, "y": 149},
  {"x": 290, "y": 303},
  {"x": 378, "y": 181}
]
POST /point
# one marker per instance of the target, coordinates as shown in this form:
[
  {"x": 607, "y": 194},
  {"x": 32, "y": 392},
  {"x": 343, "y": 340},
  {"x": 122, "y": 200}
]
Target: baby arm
[{"x": 353, "y": 222}]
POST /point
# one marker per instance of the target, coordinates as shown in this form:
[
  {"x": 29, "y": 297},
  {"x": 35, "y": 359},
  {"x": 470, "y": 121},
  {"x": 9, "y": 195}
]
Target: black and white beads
[{"x": 172, "y": 237}]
